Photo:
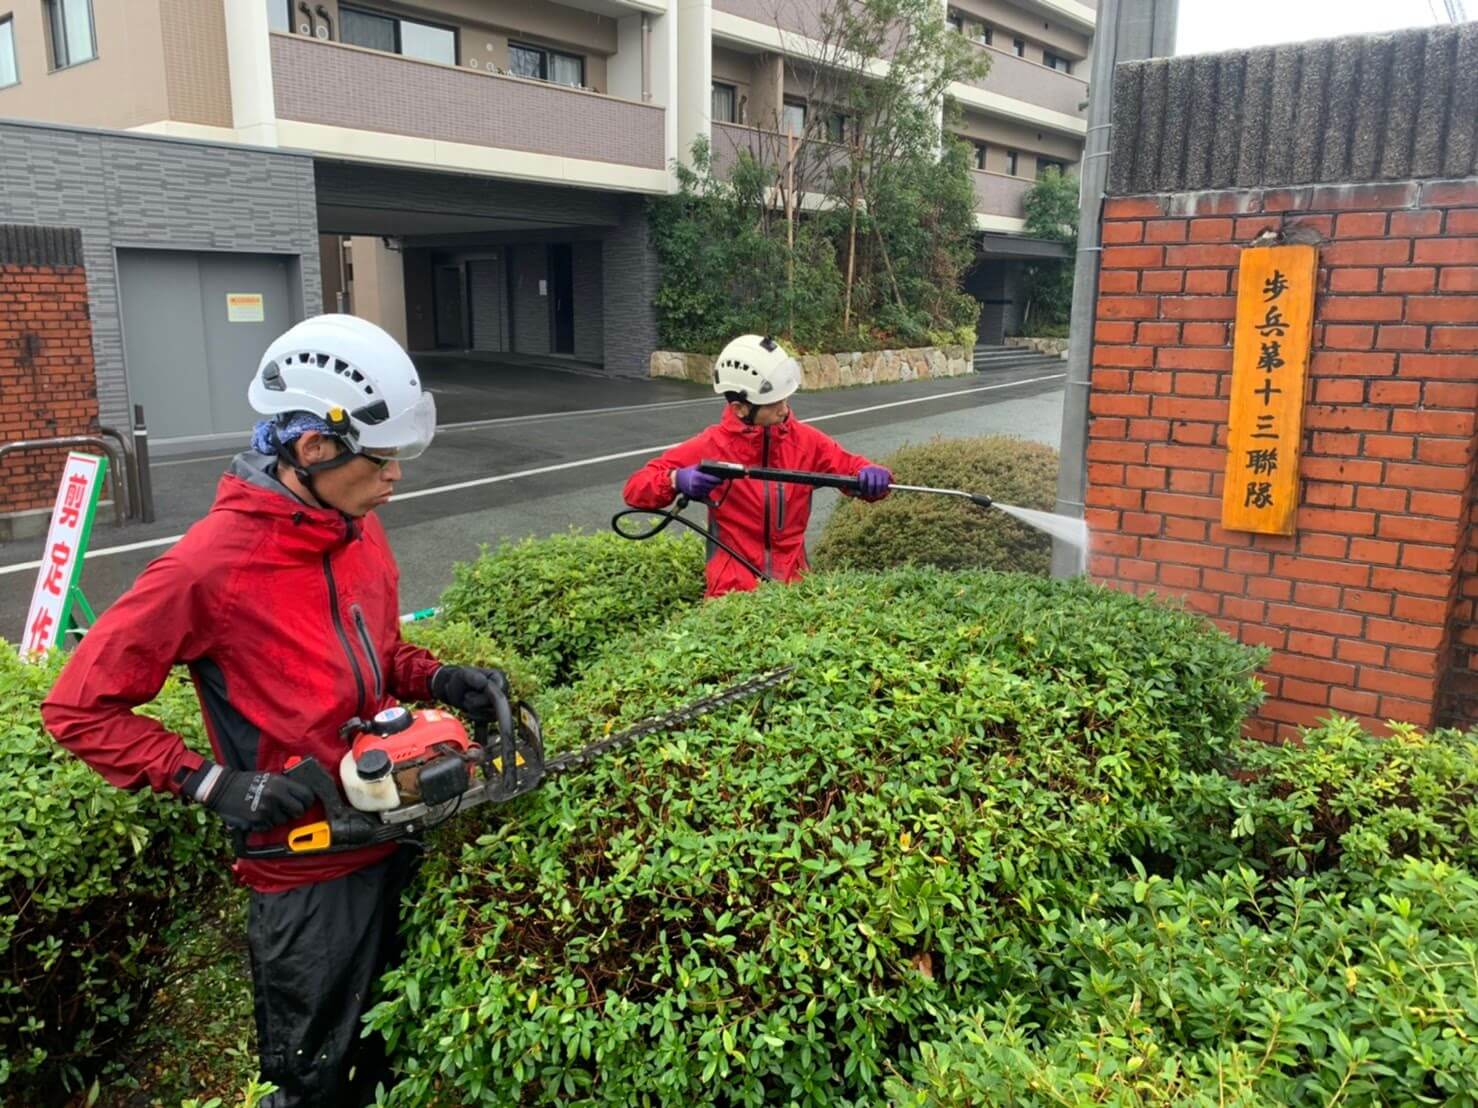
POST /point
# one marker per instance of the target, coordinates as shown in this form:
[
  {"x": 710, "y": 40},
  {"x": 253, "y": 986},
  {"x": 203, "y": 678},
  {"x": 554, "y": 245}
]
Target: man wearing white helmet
[
  {"x": 283, "y": 603},
  {"x": 764, "y": 520}
]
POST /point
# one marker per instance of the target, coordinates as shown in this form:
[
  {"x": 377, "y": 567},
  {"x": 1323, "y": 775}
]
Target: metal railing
[
  {"x": 118, "y": 472},
  {"x": 133, "y": 491}
]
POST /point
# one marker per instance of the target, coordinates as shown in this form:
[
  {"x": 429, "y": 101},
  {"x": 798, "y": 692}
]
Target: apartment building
[
  {"x": 479, "y": 168},
  {"x": 1027, "y": 114}
]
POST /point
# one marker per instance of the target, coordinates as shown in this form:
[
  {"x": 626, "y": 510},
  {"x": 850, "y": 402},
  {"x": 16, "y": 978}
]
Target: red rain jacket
[
  {"x": 763, "y": 520},
  {"x": 288, "y": 619}
]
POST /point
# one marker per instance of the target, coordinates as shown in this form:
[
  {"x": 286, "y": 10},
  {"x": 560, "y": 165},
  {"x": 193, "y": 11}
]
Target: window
[
  {"x": 722, "y": 108},
  {"x": 985, "y": 35},
  {"x": 1056, "y": 61},
  {"x": 279, "y": 15},
  {"x": 1011, "y": 162},
  {"x": 394, "y": 35},
  {"x": 1046, "y": 164},
  {"x": 70, "y": 25},
  {"x": 542, "y": 64},
  {"x": 9, "y": 75},
  {"x": 793, "y": 118},
  {"x": 956, "y": 24},
  {"x": 836, "y": 127},
  {"x": 980, "y": 149},
  {"x": 1019, "y": 47}
]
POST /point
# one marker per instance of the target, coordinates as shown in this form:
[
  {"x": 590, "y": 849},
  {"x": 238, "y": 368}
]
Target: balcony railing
[
  {"x": 728, "y": 139},
  {"x": 998, "y": 194},
  {"x": 1036, "y": 84},
  {"x": 346, "y": 86},
  {"x": 799, "y": 16}
]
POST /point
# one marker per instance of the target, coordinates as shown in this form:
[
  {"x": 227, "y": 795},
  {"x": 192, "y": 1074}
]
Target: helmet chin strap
[{"x": 305, "y": 473}]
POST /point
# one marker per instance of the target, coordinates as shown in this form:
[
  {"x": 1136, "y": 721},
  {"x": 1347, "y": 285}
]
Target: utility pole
[{"x": 1127, "y": 30}]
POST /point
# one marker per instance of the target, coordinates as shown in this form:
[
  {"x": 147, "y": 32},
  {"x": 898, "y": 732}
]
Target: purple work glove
[
  {"x": 693, "y": 483},
  {"x": 873, "y": 482}
]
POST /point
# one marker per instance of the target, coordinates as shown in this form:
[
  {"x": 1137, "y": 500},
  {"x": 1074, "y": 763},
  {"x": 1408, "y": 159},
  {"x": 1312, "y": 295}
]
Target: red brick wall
[
  {"x": 47, "y": 385},
  {"x": 1366, "y": 604}
]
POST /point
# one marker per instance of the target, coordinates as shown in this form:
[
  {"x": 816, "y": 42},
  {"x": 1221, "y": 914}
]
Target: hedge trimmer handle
[
  {"x": 342, "y": 826},
  {"x": 733, "y": 471}
]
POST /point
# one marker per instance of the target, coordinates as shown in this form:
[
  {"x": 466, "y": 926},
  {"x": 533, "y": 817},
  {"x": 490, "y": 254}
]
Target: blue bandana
[{"x": 289, "y": 427}]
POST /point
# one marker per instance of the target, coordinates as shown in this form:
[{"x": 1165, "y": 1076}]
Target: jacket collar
[
  {"x": 251, "y": 488},
  {"x": 733, "y": 425}
]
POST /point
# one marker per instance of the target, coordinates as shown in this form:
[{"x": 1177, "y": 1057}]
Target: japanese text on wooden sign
[
  {"x": 61, "y": 560},
  {"x": 1270, "y": 366}
]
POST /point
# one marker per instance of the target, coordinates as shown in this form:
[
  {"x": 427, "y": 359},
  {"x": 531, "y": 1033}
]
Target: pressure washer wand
[{"x": 732, "y": 471}]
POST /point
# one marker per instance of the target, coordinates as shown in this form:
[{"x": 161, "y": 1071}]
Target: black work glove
[
  {"x": 466, "y": 688},
  {"x": 248, "y": 800}
]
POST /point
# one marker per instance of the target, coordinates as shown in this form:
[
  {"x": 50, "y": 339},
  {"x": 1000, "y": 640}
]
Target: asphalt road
[{"x": 535, "y": 452}]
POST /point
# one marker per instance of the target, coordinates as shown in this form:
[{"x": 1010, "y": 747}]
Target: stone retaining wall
[
  {"x": 829, "y": 371},
  {"x": 1055, "y": 347}
]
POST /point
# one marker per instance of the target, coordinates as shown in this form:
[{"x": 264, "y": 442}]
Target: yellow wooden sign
[{"x": 1270, "y": 370}]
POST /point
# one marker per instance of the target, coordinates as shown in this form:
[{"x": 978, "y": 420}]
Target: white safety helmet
[
  {"x": 757, "y": 368},
  {"x": 354, "y": 376}
]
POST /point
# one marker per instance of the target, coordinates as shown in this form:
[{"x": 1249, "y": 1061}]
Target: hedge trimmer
[{"x": 408, "y": 771}]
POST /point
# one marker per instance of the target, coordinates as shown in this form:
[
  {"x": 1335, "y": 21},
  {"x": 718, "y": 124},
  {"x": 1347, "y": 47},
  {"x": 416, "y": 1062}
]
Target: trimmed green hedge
[
  {"x": 949, "y": 532},
  {"x": 89, "y": 875},
  {"x": 461, "y": 643},
  {"x": 560, "y": 601},
  {"x": 1313, "y": 940},
  {"x": 777, "y": 903},
  {"x": 1231, "y": 989}
]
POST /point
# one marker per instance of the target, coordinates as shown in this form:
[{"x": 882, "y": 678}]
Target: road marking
[{"x": 499, "y": 478}]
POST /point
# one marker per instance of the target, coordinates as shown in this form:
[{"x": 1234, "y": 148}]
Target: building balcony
[
  {"x": 797, "y": 16},
  {"x": 728, "y": 139},
  {"x": 356, "y": 90},
  {"x": 1000, "y": 195},
  {"x": 1035, "y": 84}
]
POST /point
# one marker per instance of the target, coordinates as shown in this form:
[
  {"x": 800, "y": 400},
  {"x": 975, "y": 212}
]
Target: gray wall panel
[{"x": 145, "y": 191}]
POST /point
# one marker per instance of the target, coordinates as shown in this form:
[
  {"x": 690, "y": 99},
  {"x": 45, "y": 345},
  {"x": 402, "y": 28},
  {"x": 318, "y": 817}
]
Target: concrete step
[{"x": 989, "y": 358}]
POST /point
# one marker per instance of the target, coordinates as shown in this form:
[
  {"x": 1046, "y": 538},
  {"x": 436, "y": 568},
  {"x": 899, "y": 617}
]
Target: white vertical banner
[{"x": 61, "y": 560}]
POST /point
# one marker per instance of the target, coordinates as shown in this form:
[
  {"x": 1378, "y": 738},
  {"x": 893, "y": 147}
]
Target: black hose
[{"x": 675, "y": 516}]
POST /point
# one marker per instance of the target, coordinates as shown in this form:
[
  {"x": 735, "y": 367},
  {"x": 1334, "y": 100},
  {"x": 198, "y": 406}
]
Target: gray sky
[{"x": 1206, "y": 26}]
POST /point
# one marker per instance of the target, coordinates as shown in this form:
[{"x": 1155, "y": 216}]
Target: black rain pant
[{"x": 316, "y": 953}]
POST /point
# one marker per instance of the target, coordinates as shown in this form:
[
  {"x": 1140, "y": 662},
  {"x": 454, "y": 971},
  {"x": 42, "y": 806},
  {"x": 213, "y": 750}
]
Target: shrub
[
  {"x": 1229, "y": 990},
  {"x": 1338, "y": 802},
  {"x": 88, "y": 876},
  {"x": 559, "y": 601},
  {"x": 777, "y": 902},
  {"x": 944, "y": 531},
  {"x": 461, "y": 643}
]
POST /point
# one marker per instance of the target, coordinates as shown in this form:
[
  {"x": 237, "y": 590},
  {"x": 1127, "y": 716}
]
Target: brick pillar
[
  {"x": 1372, "y": 601},
  {"x": 47, "y": 384}
]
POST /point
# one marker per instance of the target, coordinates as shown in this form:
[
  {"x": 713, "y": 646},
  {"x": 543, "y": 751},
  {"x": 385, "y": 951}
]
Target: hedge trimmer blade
[{"x": 574, "y": 759}]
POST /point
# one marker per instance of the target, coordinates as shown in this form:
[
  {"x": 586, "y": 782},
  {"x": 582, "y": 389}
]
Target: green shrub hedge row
[
  {"x": 560, "y": 601},
  {"x": 1315, "y": 941},
  {"x": 949, "y": 532},
  {"x": 89, "y": 874},
  {"x": 782, "y": 901}
]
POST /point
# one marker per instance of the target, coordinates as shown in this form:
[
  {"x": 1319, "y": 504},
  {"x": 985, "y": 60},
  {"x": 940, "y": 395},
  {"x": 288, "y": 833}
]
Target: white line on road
[{"x": 499, "y": 478}]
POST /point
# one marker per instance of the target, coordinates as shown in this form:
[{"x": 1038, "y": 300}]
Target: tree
[
  {"x": 1051, "y": 213},
  {"x": 853, "y": 233}
]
